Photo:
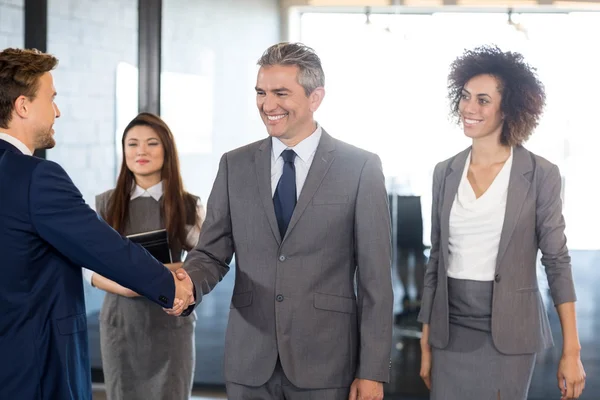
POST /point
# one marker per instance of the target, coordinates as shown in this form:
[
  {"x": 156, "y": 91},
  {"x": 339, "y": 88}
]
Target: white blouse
[
  {"x": 476, "y": 226},
  {"x": 156, "y": 192}
]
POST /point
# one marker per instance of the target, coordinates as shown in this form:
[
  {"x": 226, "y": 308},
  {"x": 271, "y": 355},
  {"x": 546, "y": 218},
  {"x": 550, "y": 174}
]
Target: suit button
[
  {"x": 279, "y": 298},
  {"x": 282, "y": 258},
  {"x": 497, "y": 278},
  {"x": 163, "y": 299}
]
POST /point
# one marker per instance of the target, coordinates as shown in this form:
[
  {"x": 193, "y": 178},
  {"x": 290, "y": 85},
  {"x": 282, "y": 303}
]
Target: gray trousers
[{"x": 278, "y": 387}]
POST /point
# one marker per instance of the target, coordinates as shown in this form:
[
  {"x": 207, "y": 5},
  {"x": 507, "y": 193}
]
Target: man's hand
[
  {"x": 182, "y": 275},
  {"x": 184, "y": 293},
  {"x": 364, "y": 389}
]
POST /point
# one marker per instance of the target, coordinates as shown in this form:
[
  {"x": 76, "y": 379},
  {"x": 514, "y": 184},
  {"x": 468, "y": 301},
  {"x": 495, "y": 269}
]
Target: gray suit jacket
[
  {"x": 321, "y": 297},
  {"x": 533, "y": 220}
]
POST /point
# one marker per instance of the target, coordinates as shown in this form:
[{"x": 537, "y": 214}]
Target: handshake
[
  {"x": 184, "y": 290},
  {"x": 184, "y": 293}
]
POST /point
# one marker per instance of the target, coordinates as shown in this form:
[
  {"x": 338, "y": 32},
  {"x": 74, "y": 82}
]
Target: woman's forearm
[
  {"x": 107, "y": 285},
  {"x": 174, "y": 266},
  {"x": 425, "y": 337},
  {"x": 110, "y": 286},
  {"x": 568, "y": 323}
]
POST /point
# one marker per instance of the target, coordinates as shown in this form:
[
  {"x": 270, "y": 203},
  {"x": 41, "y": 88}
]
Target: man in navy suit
[{"x": 47, "y": 233}]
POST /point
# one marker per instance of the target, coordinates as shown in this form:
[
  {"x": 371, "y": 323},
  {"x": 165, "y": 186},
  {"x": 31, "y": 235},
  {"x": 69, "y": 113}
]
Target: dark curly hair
[{"x": 523, "y": 95}]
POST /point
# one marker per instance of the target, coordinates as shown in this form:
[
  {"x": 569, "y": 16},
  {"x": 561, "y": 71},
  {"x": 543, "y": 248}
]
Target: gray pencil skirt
[{"x": 471, "y": 367}]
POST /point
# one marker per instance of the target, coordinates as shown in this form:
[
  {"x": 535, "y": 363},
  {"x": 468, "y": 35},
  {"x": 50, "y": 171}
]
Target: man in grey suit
[{"x": 307, "y": 218}]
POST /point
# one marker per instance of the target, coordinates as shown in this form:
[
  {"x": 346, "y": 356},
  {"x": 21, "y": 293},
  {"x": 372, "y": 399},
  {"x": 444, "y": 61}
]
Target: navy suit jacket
[{"x": 47, "y": 233}]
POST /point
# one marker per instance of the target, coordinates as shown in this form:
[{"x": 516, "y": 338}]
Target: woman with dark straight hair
[{"x": 147, "y": 354}]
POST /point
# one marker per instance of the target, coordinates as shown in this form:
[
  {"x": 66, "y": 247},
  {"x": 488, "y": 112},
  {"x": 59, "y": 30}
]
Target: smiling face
[
  {"x": 479, "y": 107},
  {"x": 284, "y": 107},
  {"x": 144, "y": 152}
]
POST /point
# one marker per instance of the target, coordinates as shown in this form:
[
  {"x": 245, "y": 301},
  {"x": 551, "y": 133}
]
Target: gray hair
[{"x": 310, "y": 74}]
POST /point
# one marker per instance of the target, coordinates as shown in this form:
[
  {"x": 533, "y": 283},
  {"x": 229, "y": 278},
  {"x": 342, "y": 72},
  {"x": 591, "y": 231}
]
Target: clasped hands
[
  {"x": 184, "y": 290},
  {"x": 184, "y": 293}
]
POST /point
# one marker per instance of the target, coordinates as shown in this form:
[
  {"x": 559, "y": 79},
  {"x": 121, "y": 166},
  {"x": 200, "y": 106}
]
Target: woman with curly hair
[{"x": 494, "y": 205}]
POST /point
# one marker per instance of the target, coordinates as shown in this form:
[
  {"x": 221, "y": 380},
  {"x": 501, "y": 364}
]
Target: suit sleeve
[
  {"x": 88, "y": 274},
  {"x": 209, "y": 261},
  {"x": 374, "y": 284},
  {"x": 430, "y": 280},
  {"x": 550, "y": 229},
  {"x": 63, "y": 219}
]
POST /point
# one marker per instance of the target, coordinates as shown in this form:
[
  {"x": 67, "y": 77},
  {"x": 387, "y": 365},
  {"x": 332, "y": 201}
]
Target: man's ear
[
  {"x": 22, "y": 106},
  {"x": 315, "y": 98}
]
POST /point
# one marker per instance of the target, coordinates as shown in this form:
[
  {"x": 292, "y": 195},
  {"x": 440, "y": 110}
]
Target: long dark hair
[{"x": 178, "y": 207}]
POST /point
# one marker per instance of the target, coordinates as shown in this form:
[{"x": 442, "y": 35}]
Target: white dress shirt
[
  {"x": 156, "y": 192},
  {"x": 476, "y": 226},
  {"x": 305, "y": 153},
  {"x": 16, "y": 142}
]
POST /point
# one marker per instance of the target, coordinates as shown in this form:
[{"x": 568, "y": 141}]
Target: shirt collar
[
  {"x": 17, "y": 143},
  {"x": 155, "y": 191},
  {"x": 305, "y": 149}
]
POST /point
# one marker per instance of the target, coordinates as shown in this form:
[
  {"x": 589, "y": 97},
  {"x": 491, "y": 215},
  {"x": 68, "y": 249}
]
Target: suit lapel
[
  {"x": 518, "y": 187},
  {"x": 318, "y": 169},
  {"x": 453, "y": 178},
  {"x": 262, "y": 162}
]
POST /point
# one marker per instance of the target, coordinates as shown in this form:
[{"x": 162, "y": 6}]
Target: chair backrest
[{"x": 409, "y": 223}]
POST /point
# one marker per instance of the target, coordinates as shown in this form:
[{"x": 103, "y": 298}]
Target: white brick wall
[
  {"x": 217, "y": 40},
  {"x": 11, "y": 23},
  {"x": 17, "y": 3},
  {"x": 89, "y": 37},
  {"x": 220, "y": 40}
]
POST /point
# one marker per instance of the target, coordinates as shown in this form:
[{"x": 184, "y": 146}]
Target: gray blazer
[
  {"x": 533, "y": 221},
  {"x": 321, "y": 297}
]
